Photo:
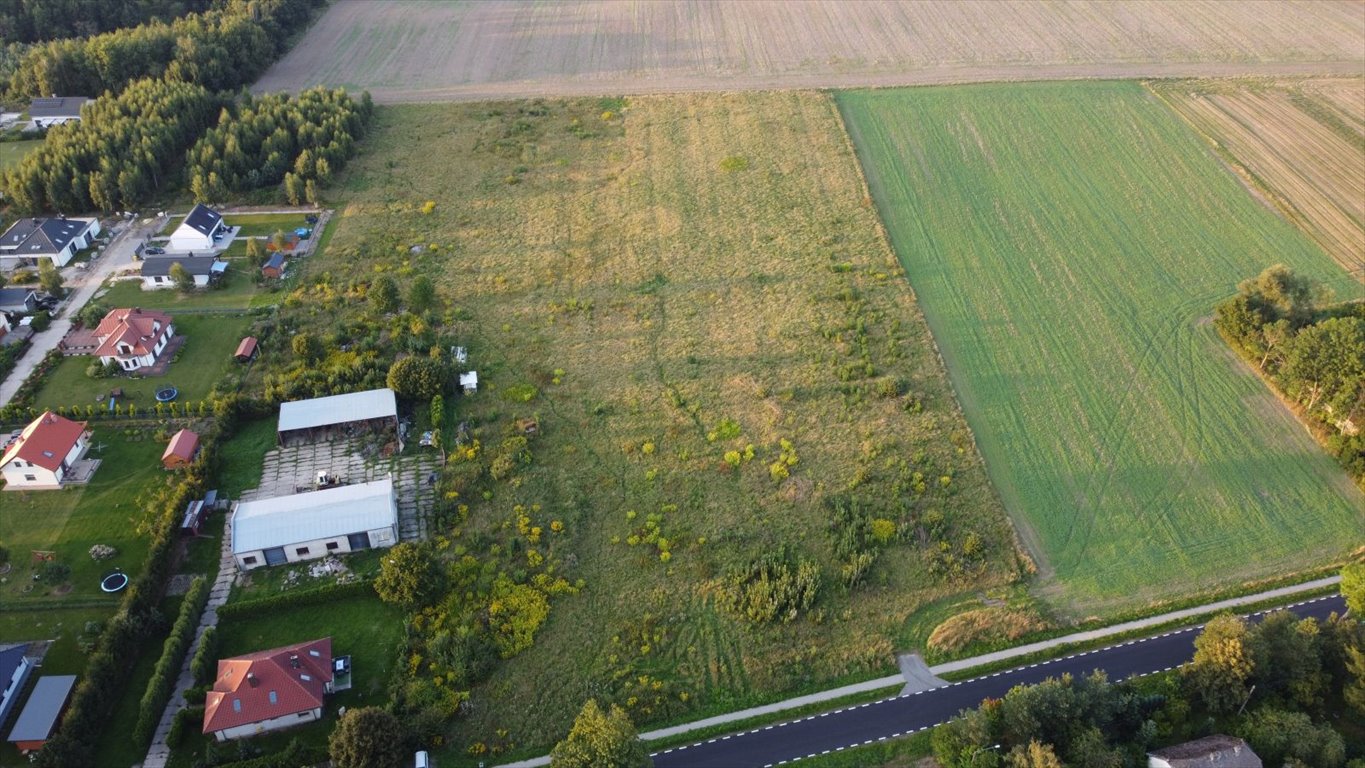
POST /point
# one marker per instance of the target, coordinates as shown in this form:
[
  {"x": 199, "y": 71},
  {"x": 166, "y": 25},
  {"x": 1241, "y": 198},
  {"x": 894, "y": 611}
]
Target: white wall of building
[
  {"x": 316, "y": 548},
  {"x": 274, "y": 724}
]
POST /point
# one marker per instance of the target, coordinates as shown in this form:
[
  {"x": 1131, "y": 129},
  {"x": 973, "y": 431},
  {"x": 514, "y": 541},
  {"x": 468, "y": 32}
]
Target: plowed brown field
[
  {"x": 435, "y": 51},
  {"x": 1300, "y": 143}
]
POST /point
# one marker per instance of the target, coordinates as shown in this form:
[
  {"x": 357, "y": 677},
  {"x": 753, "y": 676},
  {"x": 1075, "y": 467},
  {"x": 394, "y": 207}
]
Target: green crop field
[{"x": 1068, "y": 242}]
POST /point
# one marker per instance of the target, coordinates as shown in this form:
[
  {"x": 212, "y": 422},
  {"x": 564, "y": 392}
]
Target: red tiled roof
[
  {"x": 183, "y": 444},
  {"x": 134, "y": 327},
  {"x": 247, "y": 348},
  {"x": 242, "y": 693},
  {"x": 46, "y": 441}
]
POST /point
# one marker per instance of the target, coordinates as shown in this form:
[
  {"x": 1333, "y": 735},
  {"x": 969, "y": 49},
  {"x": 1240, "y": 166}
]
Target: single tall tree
[
  {"x": 50, "y": 279},
  {"x": 1217, "y": 676},
  {"x": 368, "y": 737}
]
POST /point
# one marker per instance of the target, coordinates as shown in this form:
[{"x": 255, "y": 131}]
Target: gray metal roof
[
  {"x": 57, "y": 106},
  {"x": 26, "y": 237},
  {"x": 285, "y": 520},
  {"x": 44, "y": 705},
  {"x": 195, "y": 265},
  {"x": 338, "y": 409},
  {"x": 202, "y": 219}
]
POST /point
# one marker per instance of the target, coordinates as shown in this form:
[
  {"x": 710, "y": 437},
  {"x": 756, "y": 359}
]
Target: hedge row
[
  {"x": 189, "y": 717},
  {"x": 23, "y": 397},
  {"x": 204, "y": 664},
  {"x": 315, "y": 596},
  {"x": 173, "y": 651},
  {"x": 138, "y": 618},
  {"x": 292, "y": 756}
]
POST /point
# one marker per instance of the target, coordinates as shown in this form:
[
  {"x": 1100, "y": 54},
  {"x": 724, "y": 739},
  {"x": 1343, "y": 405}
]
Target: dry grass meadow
[
  {"x": 1299, "y": 143},
  {"x": 421, "y": 50},
  {"x": 676, "y": 278}
]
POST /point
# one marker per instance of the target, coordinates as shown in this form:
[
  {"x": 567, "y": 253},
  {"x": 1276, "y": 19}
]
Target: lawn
[
  {"x": 701, "y": 287},
  {"x": 361, "y": 627},
  {"x": 12, "y": 152},
  {"x": 205, "y": 357},
  {"x": 1068, "y": 242},
  {"x": 69, "y": 521},
  {"x": 235, "y": 291}
]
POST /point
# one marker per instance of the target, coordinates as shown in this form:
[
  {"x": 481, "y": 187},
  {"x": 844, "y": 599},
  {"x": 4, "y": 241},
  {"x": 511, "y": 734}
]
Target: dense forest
[
  {"x": 31, "y": 21},
  {"x": 221, "y": 49},
  {"x": 260, "y": 142},
  {"x": 1313, "y": 351},
  {"x": 118, "y": 154}
]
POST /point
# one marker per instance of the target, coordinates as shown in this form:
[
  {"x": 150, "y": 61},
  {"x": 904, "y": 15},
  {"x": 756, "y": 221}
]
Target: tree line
[
  {"x": 31, "y": 21},
  {"x": 221, "y": 49},
  {"x": 120, "y": 153},
  {"x": 1281, "y": 684},
  {"x": 263, "y": 141},
  {"x": 1312, "y": 350}
]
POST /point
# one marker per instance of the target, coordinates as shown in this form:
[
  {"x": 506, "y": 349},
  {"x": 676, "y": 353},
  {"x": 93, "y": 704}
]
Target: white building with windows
[
  {"x": 200, "y": 232},
  {"x": 27, "y": 241},
  {"x": 44, "y": 453},
  {"x": 306, "y": 526}
]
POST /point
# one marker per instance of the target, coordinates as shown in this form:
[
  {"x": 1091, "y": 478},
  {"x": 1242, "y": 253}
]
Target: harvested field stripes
[
  {"x": 1068, "y": 242},
  {"x": 1300, "y": 143}
]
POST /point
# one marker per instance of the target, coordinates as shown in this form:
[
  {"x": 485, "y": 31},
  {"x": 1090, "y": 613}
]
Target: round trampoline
[
  {"x": 166, "y": 394},
  {"x": 114, "y": 582}
]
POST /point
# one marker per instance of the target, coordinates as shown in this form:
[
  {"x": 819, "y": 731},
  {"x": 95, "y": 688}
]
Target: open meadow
[
  {"x": 419, "y": 50},
  {"x": 718, "y": 348},
  {"x": 1300, "y": 143},
  {"x": 1068, "y": 242}
]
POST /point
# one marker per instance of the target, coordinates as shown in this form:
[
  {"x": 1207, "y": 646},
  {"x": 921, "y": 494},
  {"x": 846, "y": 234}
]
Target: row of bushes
[
  {"x": 162, "y": 684},
  {"x": 317, "y": 596},
  {"x": 185, "y": 719},
  {"x": 205, "y": 661},
  {"x": 23, "y": 397},
  {"x": 138, "y": 619}
]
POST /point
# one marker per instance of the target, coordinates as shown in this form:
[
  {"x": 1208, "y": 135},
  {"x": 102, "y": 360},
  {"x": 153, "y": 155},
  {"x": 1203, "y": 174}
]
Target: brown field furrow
[
  {"x": 426, "y": 51},
  {"x": 1301, "y": 142}
]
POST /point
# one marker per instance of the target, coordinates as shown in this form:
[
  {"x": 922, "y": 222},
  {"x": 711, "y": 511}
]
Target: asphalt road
[{"x": 876, "y": 721}]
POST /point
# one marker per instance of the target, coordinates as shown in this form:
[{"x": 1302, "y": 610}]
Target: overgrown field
[
  {"x": 693, "y": 297},
  {"x": 411, "y": 50},
  {"x": 1068, "y": 242},
  {"x": 1301, "y": 143}
]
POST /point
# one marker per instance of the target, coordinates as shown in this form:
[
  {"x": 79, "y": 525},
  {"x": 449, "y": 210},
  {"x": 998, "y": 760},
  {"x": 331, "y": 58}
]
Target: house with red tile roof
[
  {"x": 44, "y": 453},
  {"x": 133, "y": 338},
  {"x": 182, "y": 449},
  {"x": 269, "y": 690}
]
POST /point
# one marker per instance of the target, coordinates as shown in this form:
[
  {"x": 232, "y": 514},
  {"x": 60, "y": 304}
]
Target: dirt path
[{"x": 423, "y": 50}]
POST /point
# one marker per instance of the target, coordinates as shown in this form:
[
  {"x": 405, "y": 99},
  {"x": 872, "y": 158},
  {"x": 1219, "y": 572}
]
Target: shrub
[
  {"x": 774, "y": 587},
  {"x": 734, "y": 163},
  {"x": 416, "y": 378},
  {"x": 167, "y": 669}
]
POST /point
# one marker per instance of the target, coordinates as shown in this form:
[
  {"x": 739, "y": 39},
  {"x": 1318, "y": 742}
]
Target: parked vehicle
[
  {"x": 154, "y": 251},
  {"x": 311, "y": 218}
]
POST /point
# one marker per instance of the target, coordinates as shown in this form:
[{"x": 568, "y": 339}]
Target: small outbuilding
[
  {"x": 20, "y": 300},
  {"x": 181, "y": 451},
  {"x": 246, "y": 350},
  {"x": 40, "y": 715},
  {"x": 323, "y": 418},
  {"x": 14, "y": 671},
  {"x": 1216, "y": 751},
  {"x": 274, "y": 266},
  {"x": 469, "y": 382}
]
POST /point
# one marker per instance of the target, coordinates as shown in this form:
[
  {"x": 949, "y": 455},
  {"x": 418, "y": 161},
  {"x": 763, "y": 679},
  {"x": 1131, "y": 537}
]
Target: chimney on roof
[
  {"x": 294, "y": 661},
  {"x": 251, "y": 679}
]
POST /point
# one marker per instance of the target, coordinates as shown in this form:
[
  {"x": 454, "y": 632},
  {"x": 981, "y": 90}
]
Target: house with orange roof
[
  {"x": 269, "y": 690},
  {"x": 133, "y": 338},
  {"x": 44, "y": 454}
]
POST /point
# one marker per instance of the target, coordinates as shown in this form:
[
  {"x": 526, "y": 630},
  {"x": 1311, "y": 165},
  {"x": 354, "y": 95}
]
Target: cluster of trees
[
  {"x": 601, "y": 739},
  {"x": 776, "y": 586},
  {"x": 31, "y": 21},
  {"x": 1313, "y": 352},
  {"x": 260, "y": 142},
  {"x": 118, "y": 154},
  {"x": 1279, "y": 684},
  {"x": 220, "y": 49}
]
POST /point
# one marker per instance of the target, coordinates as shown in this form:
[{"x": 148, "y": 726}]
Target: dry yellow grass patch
[{"x": 984, "y": 625}]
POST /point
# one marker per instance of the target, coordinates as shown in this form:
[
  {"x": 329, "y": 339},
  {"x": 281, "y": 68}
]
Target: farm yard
[
  {"x": 1300, "y": 143},
  {"x": 719, "y": 352},
  {"x": 1068, "y": 242},
  {"x": 415, "y": 50}
]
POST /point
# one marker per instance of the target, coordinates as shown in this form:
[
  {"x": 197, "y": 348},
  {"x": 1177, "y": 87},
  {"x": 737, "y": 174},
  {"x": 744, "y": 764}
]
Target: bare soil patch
[{"x": 407, "y": 51}]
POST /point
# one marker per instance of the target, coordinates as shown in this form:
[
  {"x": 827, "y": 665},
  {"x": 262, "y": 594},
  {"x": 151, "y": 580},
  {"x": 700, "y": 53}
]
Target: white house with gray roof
[
  {"x": 306, "y": 526},
  {"x": 56, "y": 110},
  {"x": 57, "y": 240},
  {"x": 199, "y": 232}
]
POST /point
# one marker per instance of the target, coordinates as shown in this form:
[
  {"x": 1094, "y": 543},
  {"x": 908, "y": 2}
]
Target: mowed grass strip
[{"x": 1067, "y": 242}]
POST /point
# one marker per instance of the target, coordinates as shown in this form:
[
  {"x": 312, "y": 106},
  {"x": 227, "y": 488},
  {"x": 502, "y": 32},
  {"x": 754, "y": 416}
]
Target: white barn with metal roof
[
  {"x": 326, "y": 417},
  {"x": 305, "y": 526}
]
